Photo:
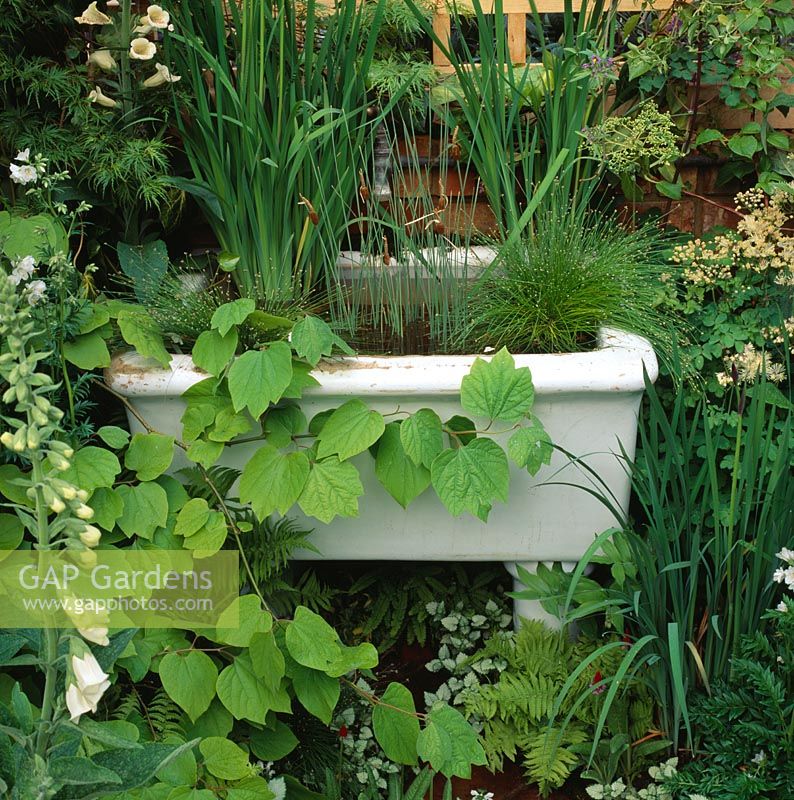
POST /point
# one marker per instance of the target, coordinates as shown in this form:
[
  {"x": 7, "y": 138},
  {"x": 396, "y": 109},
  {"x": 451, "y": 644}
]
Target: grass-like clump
[{"x": 571, "y": 274}]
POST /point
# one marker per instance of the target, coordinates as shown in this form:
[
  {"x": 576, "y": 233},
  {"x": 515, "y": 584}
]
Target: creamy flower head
[
  {"x": 93, "y": 16},
  {"x": 142, "y": 49},
  {"x": 36, "y": 290},
  {"x": 23, "y": 174},
  {"x": 97, "y": 96},
  {"x": 156, "y": 17},
  {"x": 88, "y": 684},
  {"x": 98, "y": 635},
  {"x": 162, "y": 75},
  {"x": 102, "y": 59}
]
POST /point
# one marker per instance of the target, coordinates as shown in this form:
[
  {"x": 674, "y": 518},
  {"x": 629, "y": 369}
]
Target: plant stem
[
  {"x": 50, "y": 635},
  {"x": 731, "y": 607},
  {"x": 125, "y": 80}
]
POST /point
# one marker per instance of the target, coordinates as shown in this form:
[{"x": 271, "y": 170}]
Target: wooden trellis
[{"x": 516, "y": 12}]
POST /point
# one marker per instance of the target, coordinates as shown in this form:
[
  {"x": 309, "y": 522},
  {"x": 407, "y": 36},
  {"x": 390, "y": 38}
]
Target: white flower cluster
[
  {"x": 33, "y": 434},
  {"x": 750, "y": 365},
  {"x": 154, "y": 22},
  {"x": 785, "y": 574},
  {"x": 23, "y": 171},
  {"x": 21, "y": 271}
]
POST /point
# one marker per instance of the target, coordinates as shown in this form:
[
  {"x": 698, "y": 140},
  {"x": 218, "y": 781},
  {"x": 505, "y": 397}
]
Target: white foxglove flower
[
  {"x": 23, "y": 156},
  {"x": 36, "y": 290},
  {"x": 93, "y": 16},
  {"x": 781, "y": 606},
  {"x": 162, "y": 75},
  {"x": 102, "y": 59},
  {"x": 23, "y": 174},
  {"x": 96, "y": 96},
  {"x": 87, "y": 686},
  {"x": 87, "y": 559},
  {"x": 142, "y": 49},
  {"x": 90, "y": 536},
  {"x": 97, "y": 634},
  {"x": 157, "y": 17}
]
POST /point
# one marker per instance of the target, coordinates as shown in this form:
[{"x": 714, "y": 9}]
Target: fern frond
[
  {"x": 268, "y": 547},
  {"x": 128, "y": 704},
  {"x": 165, "y": 717},
  {"x": 547, "y": 757},
  {"x": 221, "y": 477},
  {"x": 516, "y": 698},
  {"x": 499, "y": 740}
]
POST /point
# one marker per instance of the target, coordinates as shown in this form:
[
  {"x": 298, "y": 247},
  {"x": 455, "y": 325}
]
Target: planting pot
[{"x": 588, "y": 403}]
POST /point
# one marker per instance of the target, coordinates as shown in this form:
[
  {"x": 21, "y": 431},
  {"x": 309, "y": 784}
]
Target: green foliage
[
  {"x": 515, "y": 154},
  {"x": 395, "y": 788},
  {"x": 733, "y": 289},
  {"x": 576, "y": 271},
  {"x": 643, "y": 144},
  {"x": 321, "y": 479},
  {"x": 402, "y": 76},
  {"x": 157, "y": 717},
  {"x": 267, "y": 549},
  {"x": 397, "y": 731},
  {"x": 293, "y": 169},
  {"x": 517, "y": 702},
  {"x": 741, "y": 49},
  {"x": 189, "y": 679},
  {"x": 704, "y": 550},
  {"x": 406, "y": 292},
  {"x": 745, "y": 725},
  {"x": 120, "y": 161},
  {"x": 391, "y": 604}
]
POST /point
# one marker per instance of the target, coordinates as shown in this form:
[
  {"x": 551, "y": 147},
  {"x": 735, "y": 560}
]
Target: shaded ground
[{"x": 407, "y": 664}]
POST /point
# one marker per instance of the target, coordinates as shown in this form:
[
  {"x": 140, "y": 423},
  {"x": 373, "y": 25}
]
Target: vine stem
[{"x": 372, "y": 698}]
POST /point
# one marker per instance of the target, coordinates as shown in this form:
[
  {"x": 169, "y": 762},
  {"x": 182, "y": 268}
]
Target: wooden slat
[
  {"x": 543, "y": 6},
  {"x": 442, "y": 24},
  {"x": 516, "y": 12},
  {"x": 517, "y": 37}
]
